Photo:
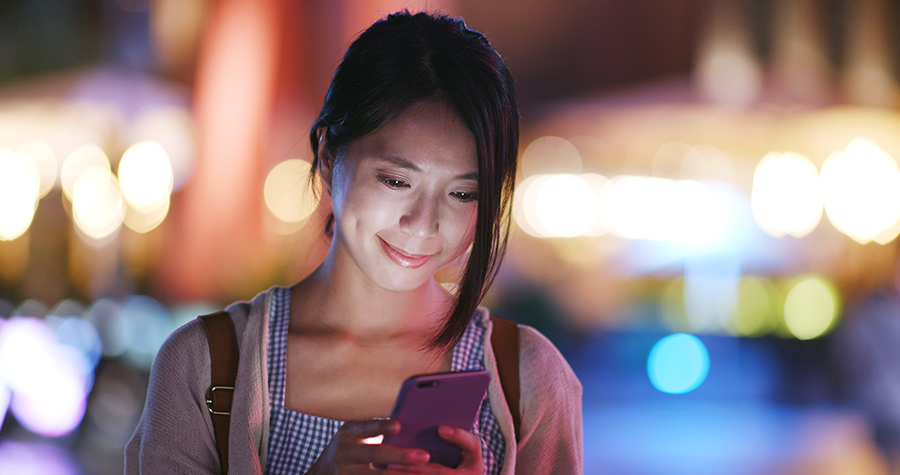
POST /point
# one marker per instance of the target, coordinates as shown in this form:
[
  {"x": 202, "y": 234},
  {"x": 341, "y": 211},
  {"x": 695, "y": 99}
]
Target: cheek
[{"x": 466, "y": 228}]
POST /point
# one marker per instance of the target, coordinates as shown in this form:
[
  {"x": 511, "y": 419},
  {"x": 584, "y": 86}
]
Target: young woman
[{"x": 416, "y": 145}]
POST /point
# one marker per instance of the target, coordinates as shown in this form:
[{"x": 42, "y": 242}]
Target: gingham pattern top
[{"x": 296, "y": 439}]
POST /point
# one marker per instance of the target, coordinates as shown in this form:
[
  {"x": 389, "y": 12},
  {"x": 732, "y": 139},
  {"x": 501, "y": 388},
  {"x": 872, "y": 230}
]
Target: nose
[{"x": 420, "y": 219}]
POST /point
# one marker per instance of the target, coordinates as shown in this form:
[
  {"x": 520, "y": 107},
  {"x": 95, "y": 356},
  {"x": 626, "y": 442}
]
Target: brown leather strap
[
  {"x": 505, "y": 342},
  {"x": 223, "y": 355}
]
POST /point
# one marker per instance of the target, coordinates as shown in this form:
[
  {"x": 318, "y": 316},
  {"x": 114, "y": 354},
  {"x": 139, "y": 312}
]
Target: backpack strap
[
  {"x": 505, "y": 342},
  {"x": 223, "y": 356}
]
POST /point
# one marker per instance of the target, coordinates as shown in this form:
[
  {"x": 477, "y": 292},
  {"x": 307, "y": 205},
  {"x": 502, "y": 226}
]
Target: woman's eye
[
  {"x": 465, "y": 195},
  {"x": 393, "y": 182}
]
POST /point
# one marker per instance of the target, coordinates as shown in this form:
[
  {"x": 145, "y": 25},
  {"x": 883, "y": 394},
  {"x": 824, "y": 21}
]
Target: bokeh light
[
  {"x": 106, "y": 316},
  {"x": 146, "y": 222},
  {"x": 550, "y": 154},
  {"x": 811, "y": 307},
  {"x": 525, "y": 206},
  {"x": 5, "y": 396},
  {"x": 18, "y": 195},
  {"x": 49, "y": 382},
  {"x": 861, "y": 189},
  {"x": 755, "y": 315},
  {"x": 663, "y": 210},
  {"x": 173, "y": 129},
  {"x": 287, "y": 192},
  {"x": 145, "y": 175},
  {"x": 148, "y": 323},
  {"x": 678, "y": 364},
  {"x": 97, "y": 204},
  {"x": 728, "y": 74},
  {"x": 45, "y": 159},
  {"x": 35, "y": 458},
  {"x": 82, "y": 158},
  {"x": 786, "y": 196},
  {"x": 566, "y": 205},
  {"x": 601, "y": 185}
]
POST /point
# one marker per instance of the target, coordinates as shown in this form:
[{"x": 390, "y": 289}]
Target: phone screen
[{"x": 429, "y": 400}]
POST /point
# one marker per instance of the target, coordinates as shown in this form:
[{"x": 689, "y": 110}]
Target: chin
[{"x": 404, "y": 281}]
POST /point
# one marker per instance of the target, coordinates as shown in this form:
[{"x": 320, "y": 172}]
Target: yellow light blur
[
  {"x": 550, "y": 154},
  {"x": 566, "y": 205},
  {"x": 145, "y": 222},
  {"x": 145, "y": 176},
  {"x": 97, "y": 203},
  {"x": 786, "y": 196},
  {"x": 287, "y": 193},
  {"x": 811, "y": 308},
  {"x": 754, "y": 315},
  {"x": 18, "y": 195},
  {"x": 525, "y": 206},
  {"x": 84, "y": 157},
  {"x": 672, "y": 307},
  {"x": 45, "y": 160},
  {"x": 861, "y": 189}
]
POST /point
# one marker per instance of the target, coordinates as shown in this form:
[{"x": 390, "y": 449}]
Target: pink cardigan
[{"x": 175, "y": 434}]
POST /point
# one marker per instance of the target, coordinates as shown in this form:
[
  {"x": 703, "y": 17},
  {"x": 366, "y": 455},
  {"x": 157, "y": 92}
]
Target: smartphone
[{"x": 429, "y": 400}]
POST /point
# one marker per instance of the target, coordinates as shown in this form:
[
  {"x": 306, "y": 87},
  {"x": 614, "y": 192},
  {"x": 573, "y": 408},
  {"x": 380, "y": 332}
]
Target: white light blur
[
  {"x": 45, "y": 160},
  {"x": 524, "y": 206},
  {"x": 35, "y": 458},
  {"x": 145, "y": 175},
  {"x": 566, "y": 205},
  {"x": 601, "y": 186},
  {"x": 664, "y": 210},
  {"x": 550, "y": 154},
  {"x": 173, "y": 129},
  {"x": 82, "y": 158},
  {"x": 97, "y": 203},
  {"x": 861, "y": 189},
  {"x": 786, "y": 196},
  {"x": 287, "y": 192},
  {"x": 18, "y": 195},
  {"x": 5, "y": 396},
  {"x": 49, "y": 381}
]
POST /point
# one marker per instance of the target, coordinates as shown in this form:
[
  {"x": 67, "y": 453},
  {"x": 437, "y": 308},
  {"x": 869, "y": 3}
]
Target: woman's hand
[
  {"x": 348, "y": 454},
  {"x": 470, "y": 463}
]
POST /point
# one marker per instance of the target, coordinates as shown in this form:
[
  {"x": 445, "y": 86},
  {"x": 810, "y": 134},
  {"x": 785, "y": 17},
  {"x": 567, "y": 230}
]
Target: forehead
[{"x": 428, "y": 134}]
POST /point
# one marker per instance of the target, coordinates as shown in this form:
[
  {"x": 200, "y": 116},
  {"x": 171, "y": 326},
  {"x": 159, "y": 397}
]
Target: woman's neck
[{"x": 339, "y": 299}]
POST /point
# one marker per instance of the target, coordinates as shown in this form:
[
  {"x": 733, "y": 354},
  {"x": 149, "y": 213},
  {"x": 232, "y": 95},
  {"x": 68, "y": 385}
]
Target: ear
[{"x": 325, "y": 157}]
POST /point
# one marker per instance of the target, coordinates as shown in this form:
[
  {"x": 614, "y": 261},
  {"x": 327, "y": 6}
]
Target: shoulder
[{"x": 542, "y": 368}]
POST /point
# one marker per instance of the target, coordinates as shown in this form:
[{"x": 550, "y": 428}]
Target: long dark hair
[{"x": 406, "y": 58}]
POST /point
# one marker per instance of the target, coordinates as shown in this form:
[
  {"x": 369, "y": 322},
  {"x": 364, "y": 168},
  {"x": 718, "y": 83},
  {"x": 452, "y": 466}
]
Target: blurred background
[{"x": 705, "y": 221}]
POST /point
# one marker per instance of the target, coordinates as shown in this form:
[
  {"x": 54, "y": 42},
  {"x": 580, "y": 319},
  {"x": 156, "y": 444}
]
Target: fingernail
[
  {"x": 445, "y": 430},
  {"x": 421, "y": 457}
]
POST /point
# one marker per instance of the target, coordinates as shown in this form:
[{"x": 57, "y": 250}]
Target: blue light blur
[{"x": 678, "y": 364}]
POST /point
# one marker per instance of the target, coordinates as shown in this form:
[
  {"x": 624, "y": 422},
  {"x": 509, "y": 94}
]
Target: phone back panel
[{"x": 427, "y": 401}]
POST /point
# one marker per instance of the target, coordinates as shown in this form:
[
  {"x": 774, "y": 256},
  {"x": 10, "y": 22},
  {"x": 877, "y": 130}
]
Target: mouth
[{"x": 403, "y": 259}]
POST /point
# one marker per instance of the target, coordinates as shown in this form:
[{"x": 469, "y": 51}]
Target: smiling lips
[{"x": 402, "y": 259}]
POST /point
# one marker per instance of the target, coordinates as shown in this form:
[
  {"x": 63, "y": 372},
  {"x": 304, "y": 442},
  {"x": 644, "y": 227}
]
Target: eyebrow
[{"x": 408, "y": 165}]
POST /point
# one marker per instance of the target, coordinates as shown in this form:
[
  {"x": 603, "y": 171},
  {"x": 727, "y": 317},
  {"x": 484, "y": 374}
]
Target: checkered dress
[{"x": 296, "y": 439}]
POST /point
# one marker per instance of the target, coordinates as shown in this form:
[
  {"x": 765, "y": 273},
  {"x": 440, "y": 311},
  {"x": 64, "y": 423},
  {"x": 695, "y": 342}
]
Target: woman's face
[{"x": 404, "y": 196}]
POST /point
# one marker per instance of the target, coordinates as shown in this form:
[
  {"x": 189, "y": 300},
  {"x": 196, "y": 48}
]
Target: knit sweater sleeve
[
  {"x": 175, "y": 433},
  {"x": 550, "y": 441}
]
